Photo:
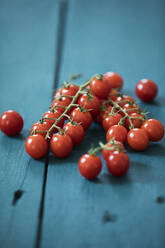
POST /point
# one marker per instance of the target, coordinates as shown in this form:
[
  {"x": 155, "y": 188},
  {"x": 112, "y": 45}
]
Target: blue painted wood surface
[{"x": 123, "y": 36}]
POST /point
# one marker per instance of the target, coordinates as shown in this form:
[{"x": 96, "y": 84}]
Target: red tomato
[
  {"x": 11, "y": 123},
  {"x": 69, "y": 90},
  {"x": 146, "y": 90},
  {"x": 93, "y": 104},
  {"x": 106, "y": 153},
  {"x": 61, "y": 145},
  {"x": 124, "y": 99},
  {"x": 131, "y": 109},
  {"x": 64, "y": 102},
  {"x": 138, "y": 139},
  {"x": 55, "y": 115},
  {"x": 118, "y": 163},
  {"x": 114, "y": 79},
  {"x": 84, "y": 118},
  {"x": 114, "y": 94},
  {"x": 100, "y": 87},
  {"x": 103, "y": 114},
  {"x": 118, "y": 133},
  {"x": 40, "y": 127},
  {"x": 36, "y": 146},
  {"x": 136, "y": 122},
  {"x": 76, "y": 132},
  {"x": 90, "y": 166},
  {"x": 111, "y": 120},
  {"x": 154, "y": 129}
]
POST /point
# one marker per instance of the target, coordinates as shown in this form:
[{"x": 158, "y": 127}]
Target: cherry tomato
[
  {"x": 40, "y": 127},
  {"x": 36, "y": 146},
  {"x": 106, "y": 153},
  {"x": 55, "y": 115},
  {"x": 61, "y": 145},
  {"x": 90, "y": 166},
  {"x": 123, "y": 100},
  {"x": 84, "y": 118},
  {"x": 64, "y": 102},
  {"x": 111, "y": 120},
  {"x": 76, "y": 132},
  {"x": 103, "y": 114},
  {"x": 57, "y": 94},
  {"x": 100, "y": 87},
  {"x": 118, "y": 163},
  {"x": 114, "y": 94},
  {"x": 146, "y": 90},
  {"x": 154, "y": 129},
  {"x": 131, "y": 109},
  {"x": 114, "y": 79},
  {"x": 118, "y": 133},
  {"x": 138, "y": 139},
  {"x": 69, "y": 90},
  {"x": 92, "y": 103},
  {"x": 11, "y": 123},
  {"x": 135, "y": 121}
]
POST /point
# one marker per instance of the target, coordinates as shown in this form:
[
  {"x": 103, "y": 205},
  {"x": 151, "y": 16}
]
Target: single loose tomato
[
  {"x": 76, "y": 132},
  {"x": 118, "y": 133},
  {"x": 84, "y": 118},
  {"x": 136, "y": 121},
  {"x": 40, "y": 128},
  {"x": 112, "y": 147},
  {"x": 61, "y": 145},
  {"x": 138, "y": 139},
  {"x": 90, "y": 166},
  {"x": 114, "y": 79},
  {"x": 118, "y": 163},
  {"x": 69, "y": 90},
  {"x": 146, "y": 90},
  {"x": 111, "y": 120},
  {"x": 154, "y": 129},
  {"x": 92, "y": 103},
  {"x": 100, "y": 87},
  {"x": 36, "y": 146},
  {"x": 61, "y": 104},
  {"x": 53, "y": 115},
  {"x": 11, "y": 123}
]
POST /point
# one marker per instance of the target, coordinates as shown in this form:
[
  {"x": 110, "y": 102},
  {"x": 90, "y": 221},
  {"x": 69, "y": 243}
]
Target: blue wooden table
[{"x": 46, "y": 203}]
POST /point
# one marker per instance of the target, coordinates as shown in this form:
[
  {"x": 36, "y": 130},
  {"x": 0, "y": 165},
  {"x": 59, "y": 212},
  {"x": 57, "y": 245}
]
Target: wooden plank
[
  {"x": 127, "y": 37},
  {"x": 27, "y": 48}
]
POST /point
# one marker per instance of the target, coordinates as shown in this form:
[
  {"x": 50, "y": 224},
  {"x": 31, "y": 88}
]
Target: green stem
[{"x": 74, "y": 99}]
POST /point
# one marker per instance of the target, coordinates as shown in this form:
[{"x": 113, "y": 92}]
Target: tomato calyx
[
  {"x": 115, "y": 146},
  {"x": 99, "y": 76}
]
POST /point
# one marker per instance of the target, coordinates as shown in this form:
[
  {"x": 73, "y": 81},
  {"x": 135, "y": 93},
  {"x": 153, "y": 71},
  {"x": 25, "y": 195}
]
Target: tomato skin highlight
[
  {"x": 118, "y": 163},
  {"x": 84, "y": 118},
  {"x": 146, "y": 90},
  {"x": 76, "y": 132},
  {"x": 64, "y": 102},
  {"x": 107, "y": 153},
  {"x": 138, "y": 139},
  {"x": 90, "y": 166},
  {"x": 36, "y": 146},
  {"x": 93, "y": 104},
  {"x": 154, "y": 129},
  {"x": 100, "y": 87},
  {"x": 114, "y": 79},
  {"x": 117, "y": 132},
  {"x": 124, "y": 98},
  {"x": 11, "y": 122},
  {"x": 111, "y": 120},
  {"x": 61, "y": 145}
]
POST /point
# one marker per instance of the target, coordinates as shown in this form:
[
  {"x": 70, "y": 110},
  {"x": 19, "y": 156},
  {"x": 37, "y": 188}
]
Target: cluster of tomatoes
[{"x": 72, "y": 111}]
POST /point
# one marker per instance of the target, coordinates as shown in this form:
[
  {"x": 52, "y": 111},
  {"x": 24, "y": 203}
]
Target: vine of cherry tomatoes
[{"x": 72, "y": 111}]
